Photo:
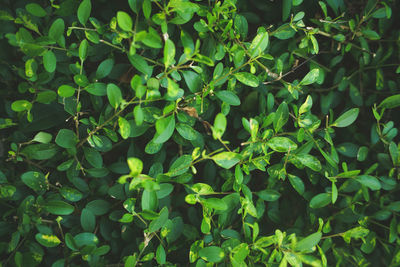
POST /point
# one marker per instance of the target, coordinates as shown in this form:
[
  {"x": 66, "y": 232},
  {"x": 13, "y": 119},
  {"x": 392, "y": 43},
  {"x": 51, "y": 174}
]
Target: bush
[{"x": 194, "y": 133}]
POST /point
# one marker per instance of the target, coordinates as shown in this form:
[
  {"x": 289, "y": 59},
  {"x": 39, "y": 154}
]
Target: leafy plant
[{"x": 199, "y": 133}]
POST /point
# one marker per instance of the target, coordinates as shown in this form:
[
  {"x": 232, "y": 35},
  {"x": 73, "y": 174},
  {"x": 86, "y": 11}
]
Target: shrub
[{"x": 194, "y": 133}]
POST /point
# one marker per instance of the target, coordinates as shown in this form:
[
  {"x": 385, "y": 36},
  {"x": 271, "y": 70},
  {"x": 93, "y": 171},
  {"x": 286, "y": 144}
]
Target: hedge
[{"x": 199, "y": 133}]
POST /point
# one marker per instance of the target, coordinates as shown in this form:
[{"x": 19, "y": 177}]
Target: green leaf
[
  {"x": 269, "y": 195},
  {"x": 180, "y": 165},
  {"x": 105, "y": 68},
  {"x": 124, "y": 127},
  {"x": 165, "y": 128},
  {"x": 193, "y": 80},
  {"x": 84, "y": 10},
  {"x": 259, "y": 44},
  {"x": 306, "y": 106},
  {"x": 297, "y": 183},
  {"x": 42, "y": 137},
  {"x": 124, "y": 21},
  {"x": 57, "y": 29},
  {"x": 58, "y": 207},
  {"x": 346, "y": 118},
  {"x": 281, "y": 144},
  {"x": 93, "y": 157},
  {"x": 88, "y": 220},
  {"x": 70, "y": 194},
  {"x": 321, "y": 200},
  {"x": 311, "y": 77},
  {"x": 247, "y": 79},
  {"x": 371, "y": 34},
  {"x": 281, "y": 116},
  {"x": 186, "y": 131},
  {"x": 97, "y": 89},
  {"x": 49, "y": 61},
  {"x": 135, "y": 166},
  {"x": 66, "y": 91},
  {"x": 66, "y": 138},
  {"x": 390, "y": 102},
  {"x": 310, "y": 161},
  {"x": 35, "y": 180},
  {"x": 161, "y": 256},
  {"x": 114, "y": 95},
  {"x": 40, "y": 151},
  {"x": 228, "y": 97},
  {"x": 140, "y": 64},
  {"x": 212, "y": 254},
  {"x": 286, "y": 7},
  {"x": 369, "y": 181},
  {"x": 169, "y": 53},
  {"x": 83, "y": 49},
  {"x": 21, "y": 105},
  {"x": 160, "y": 221},
  {"x": 36, "y": 10},
  {"x": 48, "y": 241},
  {"x": 98, "y": 207},
  {"x": 147, "y": 8},
  {"x": 227, "y": 159},
  {"x": 219, "y": 126},
  {"x": 214, "y": 203},
  {"x": 309, "y": 242},
  {"x": 86, "y": 239}
]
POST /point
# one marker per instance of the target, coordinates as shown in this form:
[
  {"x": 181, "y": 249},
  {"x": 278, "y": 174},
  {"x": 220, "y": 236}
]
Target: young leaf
[
  {"x": 124, "y": 21},
  {"x": 124, "y": 127},
  {"x": 219, "y": 126},
  {"x": 346, "y": 118},
  {"x": 135, "y": 166}
]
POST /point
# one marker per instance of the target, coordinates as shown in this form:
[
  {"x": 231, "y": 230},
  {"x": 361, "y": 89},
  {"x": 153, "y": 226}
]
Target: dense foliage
[{"x": 199, "y": 133}]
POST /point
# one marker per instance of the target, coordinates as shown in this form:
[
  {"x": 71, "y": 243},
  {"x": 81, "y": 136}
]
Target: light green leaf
[
  {"x": 227, "y": 159},
  {"x": 36, "y": 10},
  {"x": 165, "y": 128},
  {"x": 42, "y": 137},
  {"x": 169, "y": 53},
  {"x": 114, "y": 95},
  {"x": 346, "y": 118},
  {"x": 309, "y": 242},
  {"x": 84, "y": 10},
  {"x": 66, "y": 90},
  {"x": 306, "y": 106},
  {"x": 214, "y": 203},
  {"x": 311, "y": 77},
  {"x": 219, "y": 126},
  {"x": 247, "y": 79},
  {"x": 390, "y": 102},
  {"x": 124, "y": 21},
  {"x": 49, "y": 241},
  {"x": 259, "y": 44},
  {"x": 135, "y": 166},
  {"x": 83, "y": 49},
  {"x": 21, "y": 105},
  {"x": 57, "y": 29},
  {"x": 281, "y": 144},
  {"x": 124, "y": 127}
]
